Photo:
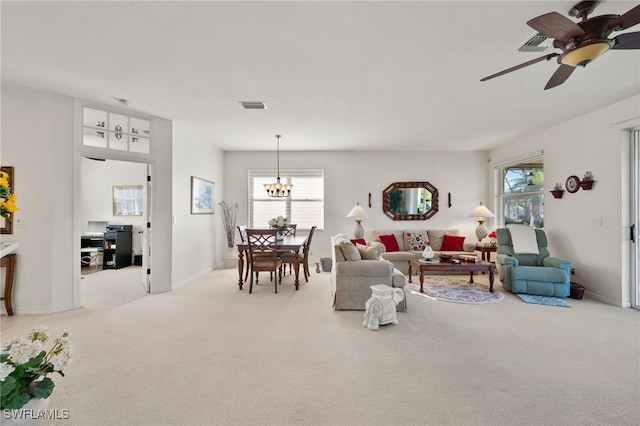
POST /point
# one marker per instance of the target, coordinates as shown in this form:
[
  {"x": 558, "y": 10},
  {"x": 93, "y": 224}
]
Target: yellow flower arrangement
[{"x": 7, "y": 199}]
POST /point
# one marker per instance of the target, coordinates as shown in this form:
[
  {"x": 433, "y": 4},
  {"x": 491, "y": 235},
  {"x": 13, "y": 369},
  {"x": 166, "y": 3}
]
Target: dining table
[{"x": 292, "y": 243}]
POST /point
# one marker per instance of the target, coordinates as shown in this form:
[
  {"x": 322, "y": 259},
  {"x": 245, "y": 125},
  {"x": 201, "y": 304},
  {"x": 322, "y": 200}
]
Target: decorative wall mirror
[{"x": 410, "y": 201}]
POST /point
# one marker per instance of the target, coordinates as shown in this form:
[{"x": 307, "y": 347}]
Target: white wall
[
  {"x": 38, "y": 140},
  {"x": 351, "y": 176},
  {"x": 595, "y": 142},
  {"x": 198, "y": 240},
  {"x": 98, "y": 177}
]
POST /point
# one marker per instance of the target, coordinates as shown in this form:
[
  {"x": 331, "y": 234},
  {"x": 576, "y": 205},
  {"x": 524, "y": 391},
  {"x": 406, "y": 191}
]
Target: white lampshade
[
  {"x": 358, "y": 213},
  {"x": 481, "y": 212}
]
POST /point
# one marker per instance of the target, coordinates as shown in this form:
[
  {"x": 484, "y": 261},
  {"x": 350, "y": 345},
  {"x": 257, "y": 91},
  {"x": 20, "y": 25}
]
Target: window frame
[
  {"x": 286, "y": 176},
  {"x": 502, "y": 196}
]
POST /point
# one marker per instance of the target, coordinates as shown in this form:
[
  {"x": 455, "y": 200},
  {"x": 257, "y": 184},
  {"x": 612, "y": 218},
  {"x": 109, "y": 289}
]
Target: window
[
  {"x": 521, "y": 196},
  {"x": 304, "y": 207},
  {"x": 104, "y": 129}
]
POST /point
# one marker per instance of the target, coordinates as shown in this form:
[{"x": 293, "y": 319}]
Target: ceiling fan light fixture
[{"x": 585, "y": 54}]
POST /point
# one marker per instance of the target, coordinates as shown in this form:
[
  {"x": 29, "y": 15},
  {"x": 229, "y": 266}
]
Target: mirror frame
[{"x": 403, "y": 185}]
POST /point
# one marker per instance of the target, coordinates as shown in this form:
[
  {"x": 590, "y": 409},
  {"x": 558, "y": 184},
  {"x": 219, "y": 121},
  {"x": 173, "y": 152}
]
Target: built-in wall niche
[{"x": 119, "y": 132}]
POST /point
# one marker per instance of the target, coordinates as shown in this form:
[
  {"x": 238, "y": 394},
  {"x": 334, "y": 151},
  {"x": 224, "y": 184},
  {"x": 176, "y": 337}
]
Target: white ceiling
[{"x": 346, "y": 75}]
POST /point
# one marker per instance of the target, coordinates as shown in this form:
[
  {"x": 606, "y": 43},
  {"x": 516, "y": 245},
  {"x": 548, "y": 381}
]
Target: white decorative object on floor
[{"x": 380, "y": 309}]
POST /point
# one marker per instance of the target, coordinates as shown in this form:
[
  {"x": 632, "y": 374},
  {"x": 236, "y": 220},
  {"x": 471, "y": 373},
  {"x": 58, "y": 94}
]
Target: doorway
[{"x": 113, "y": 192}]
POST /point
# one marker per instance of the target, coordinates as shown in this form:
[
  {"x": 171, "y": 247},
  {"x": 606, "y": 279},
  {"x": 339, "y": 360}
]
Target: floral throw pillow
[{"x": 416, "y": 241}]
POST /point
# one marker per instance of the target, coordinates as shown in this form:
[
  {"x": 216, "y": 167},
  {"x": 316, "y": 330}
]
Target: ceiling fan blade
[
  {"x": 560, "y": 76},
  {"x": 626, "y": 20},
  {"x": 517, "y": 67},
  {"x": 627, "y": 41},
  {"x": 556, "y": 26}
]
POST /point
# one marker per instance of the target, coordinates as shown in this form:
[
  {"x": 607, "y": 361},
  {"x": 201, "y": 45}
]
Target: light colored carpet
[{"x": 208, "y": 353}]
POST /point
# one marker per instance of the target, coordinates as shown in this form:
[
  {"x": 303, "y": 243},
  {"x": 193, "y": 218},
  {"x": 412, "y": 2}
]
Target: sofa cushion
[
  {"x": 390, "y": 242},
  {"x": 437, "y": 235},
  {"x": 367, "y": 252},
  {"x": 357, "y": 241},
  {"x": 349, "y": 251},
  {"x": 452, "y": 243},
  {"x": 399, "y": 234},
  {"x": 416, "y": 240}
]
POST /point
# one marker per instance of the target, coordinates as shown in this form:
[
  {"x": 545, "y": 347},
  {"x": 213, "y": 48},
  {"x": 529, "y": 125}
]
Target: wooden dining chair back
[
  {"x": 303, "y": 258},
  {"x": 263, "y": 254},
  {"x": 290, "y": 231},
  {"x": 242, "y": 230}
]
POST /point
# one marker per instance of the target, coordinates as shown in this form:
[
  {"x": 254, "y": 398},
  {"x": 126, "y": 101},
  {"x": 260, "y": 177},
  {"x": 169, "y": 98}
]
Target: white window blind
[{"x": 304, "y": 207}]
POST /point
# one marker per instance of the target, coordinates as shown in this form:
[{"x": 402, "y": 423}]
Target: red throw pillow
[
  {"x": 359, "y": 241},
  {"x": 452, "y": 243},
  {"x": 389, "y": 242}
]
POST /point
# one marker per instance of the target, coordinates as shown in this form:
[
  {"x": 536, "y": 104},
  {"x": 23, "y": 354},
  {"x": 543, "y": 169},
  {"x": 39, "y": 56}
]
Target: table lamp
[
  {"x": 358, "y": 213},
  {"x": 481, "y": 212}
]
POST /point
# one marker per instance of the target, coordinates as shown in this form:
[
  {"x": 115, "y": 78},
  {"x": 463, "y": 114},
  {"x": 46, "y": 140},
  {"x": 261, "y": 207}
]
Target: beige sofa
[
  {"x": 411, "y": 240},
  {"x": 352, "y": 276}
]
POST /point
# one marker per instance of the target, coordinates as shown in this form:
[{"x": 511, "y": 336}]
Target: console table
[{"x": 8, "y": 262}]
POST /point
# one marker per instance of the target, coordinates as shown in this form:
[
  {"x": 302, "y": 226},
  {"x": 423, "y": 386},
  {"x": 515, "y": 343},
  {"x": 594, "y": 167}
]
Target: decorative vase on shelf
[
  {"x": 427, "y": 254},
  {"x": 29, "y": 415}
]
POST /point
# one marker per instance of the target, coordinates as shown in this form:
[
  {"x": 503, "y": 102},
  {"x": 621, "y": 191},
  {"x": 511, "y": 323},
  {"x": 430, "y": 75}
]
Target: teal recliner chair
[{"x": 538, "y": 274}]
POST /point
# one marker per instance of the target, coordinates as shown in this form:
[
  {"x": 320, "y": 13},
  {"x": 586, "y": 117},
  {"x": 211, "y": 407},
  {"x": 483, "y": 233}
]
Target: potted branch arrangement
[{"x": 229, "y": 215}]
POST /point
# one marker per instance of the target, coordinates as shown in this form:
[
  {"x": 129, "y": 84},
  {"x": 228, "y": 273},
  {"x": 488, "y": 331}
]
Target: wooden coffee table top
[
  {"x": 446, "y": 265},
  {"x": 422, "y": 266}
]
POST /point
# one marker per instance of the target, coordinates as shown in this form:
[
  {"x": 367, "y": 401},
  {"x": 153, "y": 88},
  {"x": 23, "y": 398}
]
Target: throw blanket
[{"x": 524, "y": 239}]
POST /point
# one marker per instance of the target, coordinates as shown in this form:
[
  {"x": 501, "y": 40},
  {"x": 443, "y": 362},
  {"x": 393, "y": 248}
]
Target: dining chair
[
  {"x": 242, "y": 229},
  {"x": 263, "y": 254},
  {"x": 303, "y": 257},
  {"x": 289, "y": 232}
]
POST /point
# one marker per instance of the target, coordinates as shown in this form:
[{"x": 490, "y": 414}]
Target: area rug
[
  {"x": 544, "y": 300},
  {"x": 454, "y": 290}
]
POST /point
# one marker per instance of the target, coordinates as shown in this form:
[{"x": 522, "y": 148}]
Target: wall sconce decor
[
  {"x": 587, "y": 181},
  {"x": 557, "y": 191}
]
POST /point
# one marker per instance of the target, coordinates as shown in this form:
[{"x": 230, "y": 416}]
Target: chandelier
[{"x": 278, "y": 190}]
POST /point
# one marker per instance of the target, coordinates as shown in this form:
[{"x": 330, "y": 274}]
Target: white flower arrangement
[
  {"x": 25, "y": 365},
  {"x": 280, "y": 223}
]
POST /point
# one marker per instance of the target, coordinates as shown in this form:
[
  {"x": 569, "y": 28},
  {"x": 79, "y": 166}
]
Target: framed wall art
[
  {"x": 6, "y": 224},
  {"x": 127, "y": 200},
  {"x": 201, "y": 196}
]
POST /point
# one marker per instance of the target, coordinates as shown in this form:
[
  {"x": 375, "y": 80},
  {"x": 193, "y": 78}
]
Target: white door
[
  {"x": 146, "y": 234},
  {"x": 635, "y": 218}
]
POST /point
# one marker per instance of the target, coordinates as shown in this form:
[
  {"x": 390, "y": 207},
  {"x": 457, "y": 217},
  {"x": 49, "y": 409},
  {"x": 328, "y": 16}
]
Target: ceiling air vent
[
  {"x": 536, "y": 43},
  {"x": 254, "y": 105}
]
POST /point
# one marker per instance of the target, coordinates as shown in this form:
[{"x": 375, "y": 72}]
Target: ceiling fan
[{"x": 580, "y": 42}]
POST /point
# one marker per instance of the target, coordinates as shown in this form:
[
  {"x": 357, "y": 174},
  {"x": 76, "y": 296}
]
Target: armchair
[{"x": 531, "y": 273}]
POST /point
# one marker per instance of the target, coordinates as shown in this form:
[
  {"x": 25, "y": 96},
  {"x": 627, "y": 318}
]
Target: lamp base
[
  {"x": 359, "y": 231},
  {"x": 481, "y": 231}
]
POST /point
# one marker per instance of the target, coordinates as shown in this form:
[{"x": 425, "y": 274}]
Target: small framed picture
[{"x": 201, "y": 196}]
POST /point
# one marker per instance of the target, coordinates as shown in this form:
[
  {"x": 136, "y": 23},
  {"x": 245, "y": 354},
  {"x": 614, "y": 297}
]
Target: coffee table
[{"x": 446, "y": 265}]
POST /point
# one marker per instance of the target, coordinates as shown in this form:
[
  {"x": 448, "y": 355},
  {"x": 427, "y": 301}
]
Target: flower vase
[
  {"x": 29, "y": 415},
  {"x": 231, "y": 259},
  {"x": 280, "y": 236}
]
